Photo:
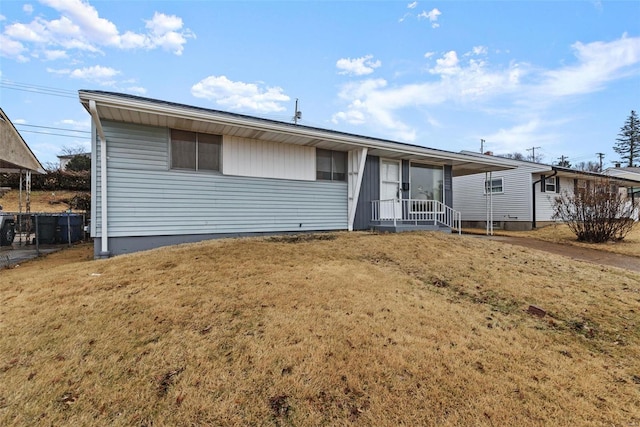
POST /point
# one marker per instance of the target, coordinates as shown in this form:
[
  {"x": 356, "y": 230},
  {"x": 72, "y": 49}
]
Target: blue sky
[{"x": 559, "y": 75}]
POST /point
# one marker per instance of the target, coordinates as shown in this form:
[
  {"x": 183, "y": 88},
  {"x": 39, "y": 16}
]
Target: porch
[{"x": 397, "y": 215}]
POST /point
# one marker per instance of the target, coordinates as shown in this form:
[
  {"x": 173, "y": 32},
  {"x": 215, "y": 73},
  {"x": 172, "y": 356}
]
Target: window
[
  {"x": 195, "y": 151},
  {"x": 550, "y": 184},
  {"x": 331, "y": 165},
  {"x": 495, "y": 185},
  {"x": 426, "y": 182}
]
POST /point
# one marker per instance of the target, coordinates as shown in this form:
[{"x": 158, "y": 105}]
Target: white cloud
[
  {"x": 598, "y": 63},
  {"x": 373, "y": 101},
  {"x": 19, "y": 121},
  {"x": 429, "y": 54},
  {"x": 75, "y": 124},
  {"x": 52, "y": 55},
  {"x": 138, "y": 90},
  {"x": 12, "y": 49},
  {"x": 432, "y": 16},
  {"x": 97, "y": 74},
  {"x": 534, "y": 132},
  {"x": 448, "y": 64},
  {"x": 518, "y": 91},
  {"x": 412, "y": 5},
  {"x": 240, "y": 95},
  {"x": 80, "y": 27},
  {"x": 27, "y": 8},
  {"x": 62, "y": 71},
  {"x": 94, "y": 73},
  {"x": 357, "y": 66},
  {"x": 479, "y": 50}
]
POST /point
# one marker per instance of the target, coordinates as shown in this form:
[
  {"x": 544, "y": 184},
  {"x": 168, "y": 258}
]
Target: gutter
[
  {"x": 104, "y": 240},
  {"x": 533, "y": 196}
]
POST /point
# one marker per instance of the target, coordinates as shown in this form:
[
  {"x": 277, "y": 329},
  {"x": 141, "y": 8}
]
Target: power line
[
  {"x": 54, "y": 128},
  {"x": 53, "y": 134},
  {"x": 533, "y": 152},
  {"x": 44, "y": 90}
]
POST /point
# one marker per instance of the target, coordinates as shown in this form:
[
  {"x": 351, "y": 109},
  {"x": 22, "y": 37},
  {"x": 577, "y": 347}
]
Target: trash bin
[
  {"x": 71, "y": 222},
  {"x": 46, "y": 227}
]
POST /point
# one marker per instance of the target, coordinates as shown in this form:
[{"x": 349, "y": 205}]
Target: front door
[{"x": 390, "y": 195}]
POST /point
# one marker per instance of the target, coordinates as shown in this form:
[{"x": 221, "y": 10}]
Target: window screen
[{"x": 195, "y": 151}]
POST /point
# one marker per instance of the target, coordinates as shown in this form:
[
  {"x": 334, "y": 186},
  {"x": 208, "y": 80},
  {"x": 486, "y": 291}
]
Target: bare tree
[
  {"x": 588, "y": 166},
  {"x": 598, "y": 213},
  {"x": 514, "y": 156},
  {"x": 72, "y": 151}
]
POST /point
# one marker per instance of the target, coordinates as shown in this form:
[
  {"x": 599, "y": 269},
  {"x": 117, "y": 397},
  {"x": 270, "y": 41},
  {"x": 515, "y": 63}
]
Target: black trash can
[
  {"x": 72, "y": 222},
  {"x": 46, "y": 227}
]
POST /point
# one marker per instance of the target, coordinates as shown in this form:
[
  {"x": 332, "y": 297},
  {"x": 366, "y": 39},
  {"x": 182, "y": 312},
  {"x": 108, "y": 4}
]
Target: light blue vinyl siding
[{"x": 147, "y": 199}]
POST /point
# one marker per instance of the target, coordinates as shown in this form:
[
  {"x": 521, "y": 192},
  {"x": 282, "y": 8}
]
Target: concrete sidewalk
[{"x": 16, "y": 254}]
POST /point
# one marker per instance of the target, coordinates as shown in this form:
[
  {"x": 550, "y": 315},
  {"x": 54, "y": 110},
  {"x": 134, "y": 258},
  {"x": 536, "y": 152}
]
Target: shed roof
[{"x": 135, "y": 109}]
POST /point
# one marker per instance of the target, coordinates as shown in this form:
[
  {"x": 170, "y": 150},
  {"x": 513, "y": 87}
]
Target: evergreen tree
[
  {"x": 79, "y": 162},
  {"x": 628, "y": 145}
]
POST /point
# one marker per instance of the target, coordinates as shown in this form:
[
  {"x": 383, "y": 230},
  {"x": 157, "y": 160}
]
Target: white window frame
[
  {"x": 501, "y": 179},
  {"x": 550, "y": 184}
]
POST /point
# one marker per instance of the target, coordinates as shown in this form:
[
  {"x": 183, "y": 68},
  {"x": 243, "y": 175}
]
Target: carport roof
[
  {"x": 139, "y": 110},
  {"x": 15, "y": 154}
]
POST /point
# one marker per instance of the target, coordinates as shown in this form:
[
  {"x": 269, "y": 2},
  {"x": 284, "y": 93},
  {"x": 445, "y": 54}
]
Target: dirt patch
[{"x": 593, "y": 256}]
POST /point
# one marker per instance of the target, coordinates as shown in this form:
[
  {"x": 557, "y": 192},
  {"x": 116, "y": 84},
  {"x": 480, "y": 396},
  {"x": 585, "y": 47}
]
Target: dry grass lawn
[
  {"x": 560, "y": 233},
  {"x": 325, "y": 330},
  {"x": 41, "y": 201}
]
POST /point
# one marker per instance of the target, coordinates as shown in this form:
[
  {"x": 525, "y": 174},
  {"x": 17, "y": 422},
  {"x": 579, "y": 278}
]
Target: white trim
[
  {"x": 491, "y": 180},
  {"x": 356, "y": 160}
]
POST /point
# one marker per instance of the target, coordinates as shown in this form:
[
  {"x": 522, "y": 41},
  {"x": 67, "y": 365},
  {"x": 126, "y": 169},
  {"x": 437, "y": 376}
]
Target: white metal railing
[{"x": 412, "y": 211}]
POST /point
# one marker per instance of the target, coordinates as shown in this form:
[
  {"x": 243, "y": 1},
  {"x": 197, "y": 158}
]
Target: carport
[{"x": 17, "y": 157}]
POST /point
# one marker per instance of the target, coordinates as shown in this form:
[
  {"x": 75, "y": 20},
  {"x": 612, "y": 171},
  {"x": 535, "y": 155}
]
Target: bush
[
  {"x": 52, "y": 181},
  {"x": 597, "y": 214}
]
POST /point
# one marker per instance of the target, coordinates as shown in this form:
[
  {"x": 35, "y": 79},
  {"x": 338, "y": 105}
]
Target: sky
[{"x": 558, "y": 78}]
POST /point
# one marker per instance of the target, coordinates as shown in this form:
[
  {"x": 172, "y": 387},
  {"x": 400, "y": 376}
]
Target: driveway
[{"x": 593, "y": 256}]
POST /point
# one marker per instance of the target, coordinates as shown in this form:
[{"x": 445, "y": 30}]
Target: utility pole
[
  {"x": 533, "y": 153},
  {"x": 563, "y": 159},
  {"x": 600, "y": 156},
  {"x": 297, "y": 115}
]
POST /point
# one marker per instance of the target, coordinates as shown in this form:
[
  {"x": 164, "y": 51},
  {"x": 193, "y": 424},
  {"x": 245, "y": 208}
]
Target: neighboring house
[
  {"x": 64, "y": 159},
  {"x": 632, "y": 173},
  {"x": 166, "y": 173},
  {"x": 520, "y": 198}
]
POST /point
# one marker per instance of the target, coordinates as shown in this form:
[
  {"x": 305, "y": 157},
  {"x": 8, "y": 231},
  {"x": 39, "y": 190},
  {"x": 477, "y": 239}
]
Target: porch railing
[{"x": 412, "y": 211}]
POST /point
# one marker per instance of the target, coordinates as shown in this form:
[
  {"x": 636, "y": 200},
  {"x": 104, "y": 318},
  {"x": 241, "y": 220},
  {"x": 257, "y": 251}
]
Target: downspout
[
  {"x": 104, "y": 247},
  {"x": 533, "y": 196}
]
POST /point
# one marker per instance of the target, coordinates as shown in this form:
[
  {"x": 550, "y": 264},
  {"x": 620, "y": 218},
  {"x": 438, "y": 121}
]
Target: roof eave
[{"x": 149, "y": 106}]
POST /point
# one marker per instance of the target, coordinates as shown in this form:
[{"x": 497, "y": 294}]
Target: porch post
[{"x": 356, "y": 162}]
